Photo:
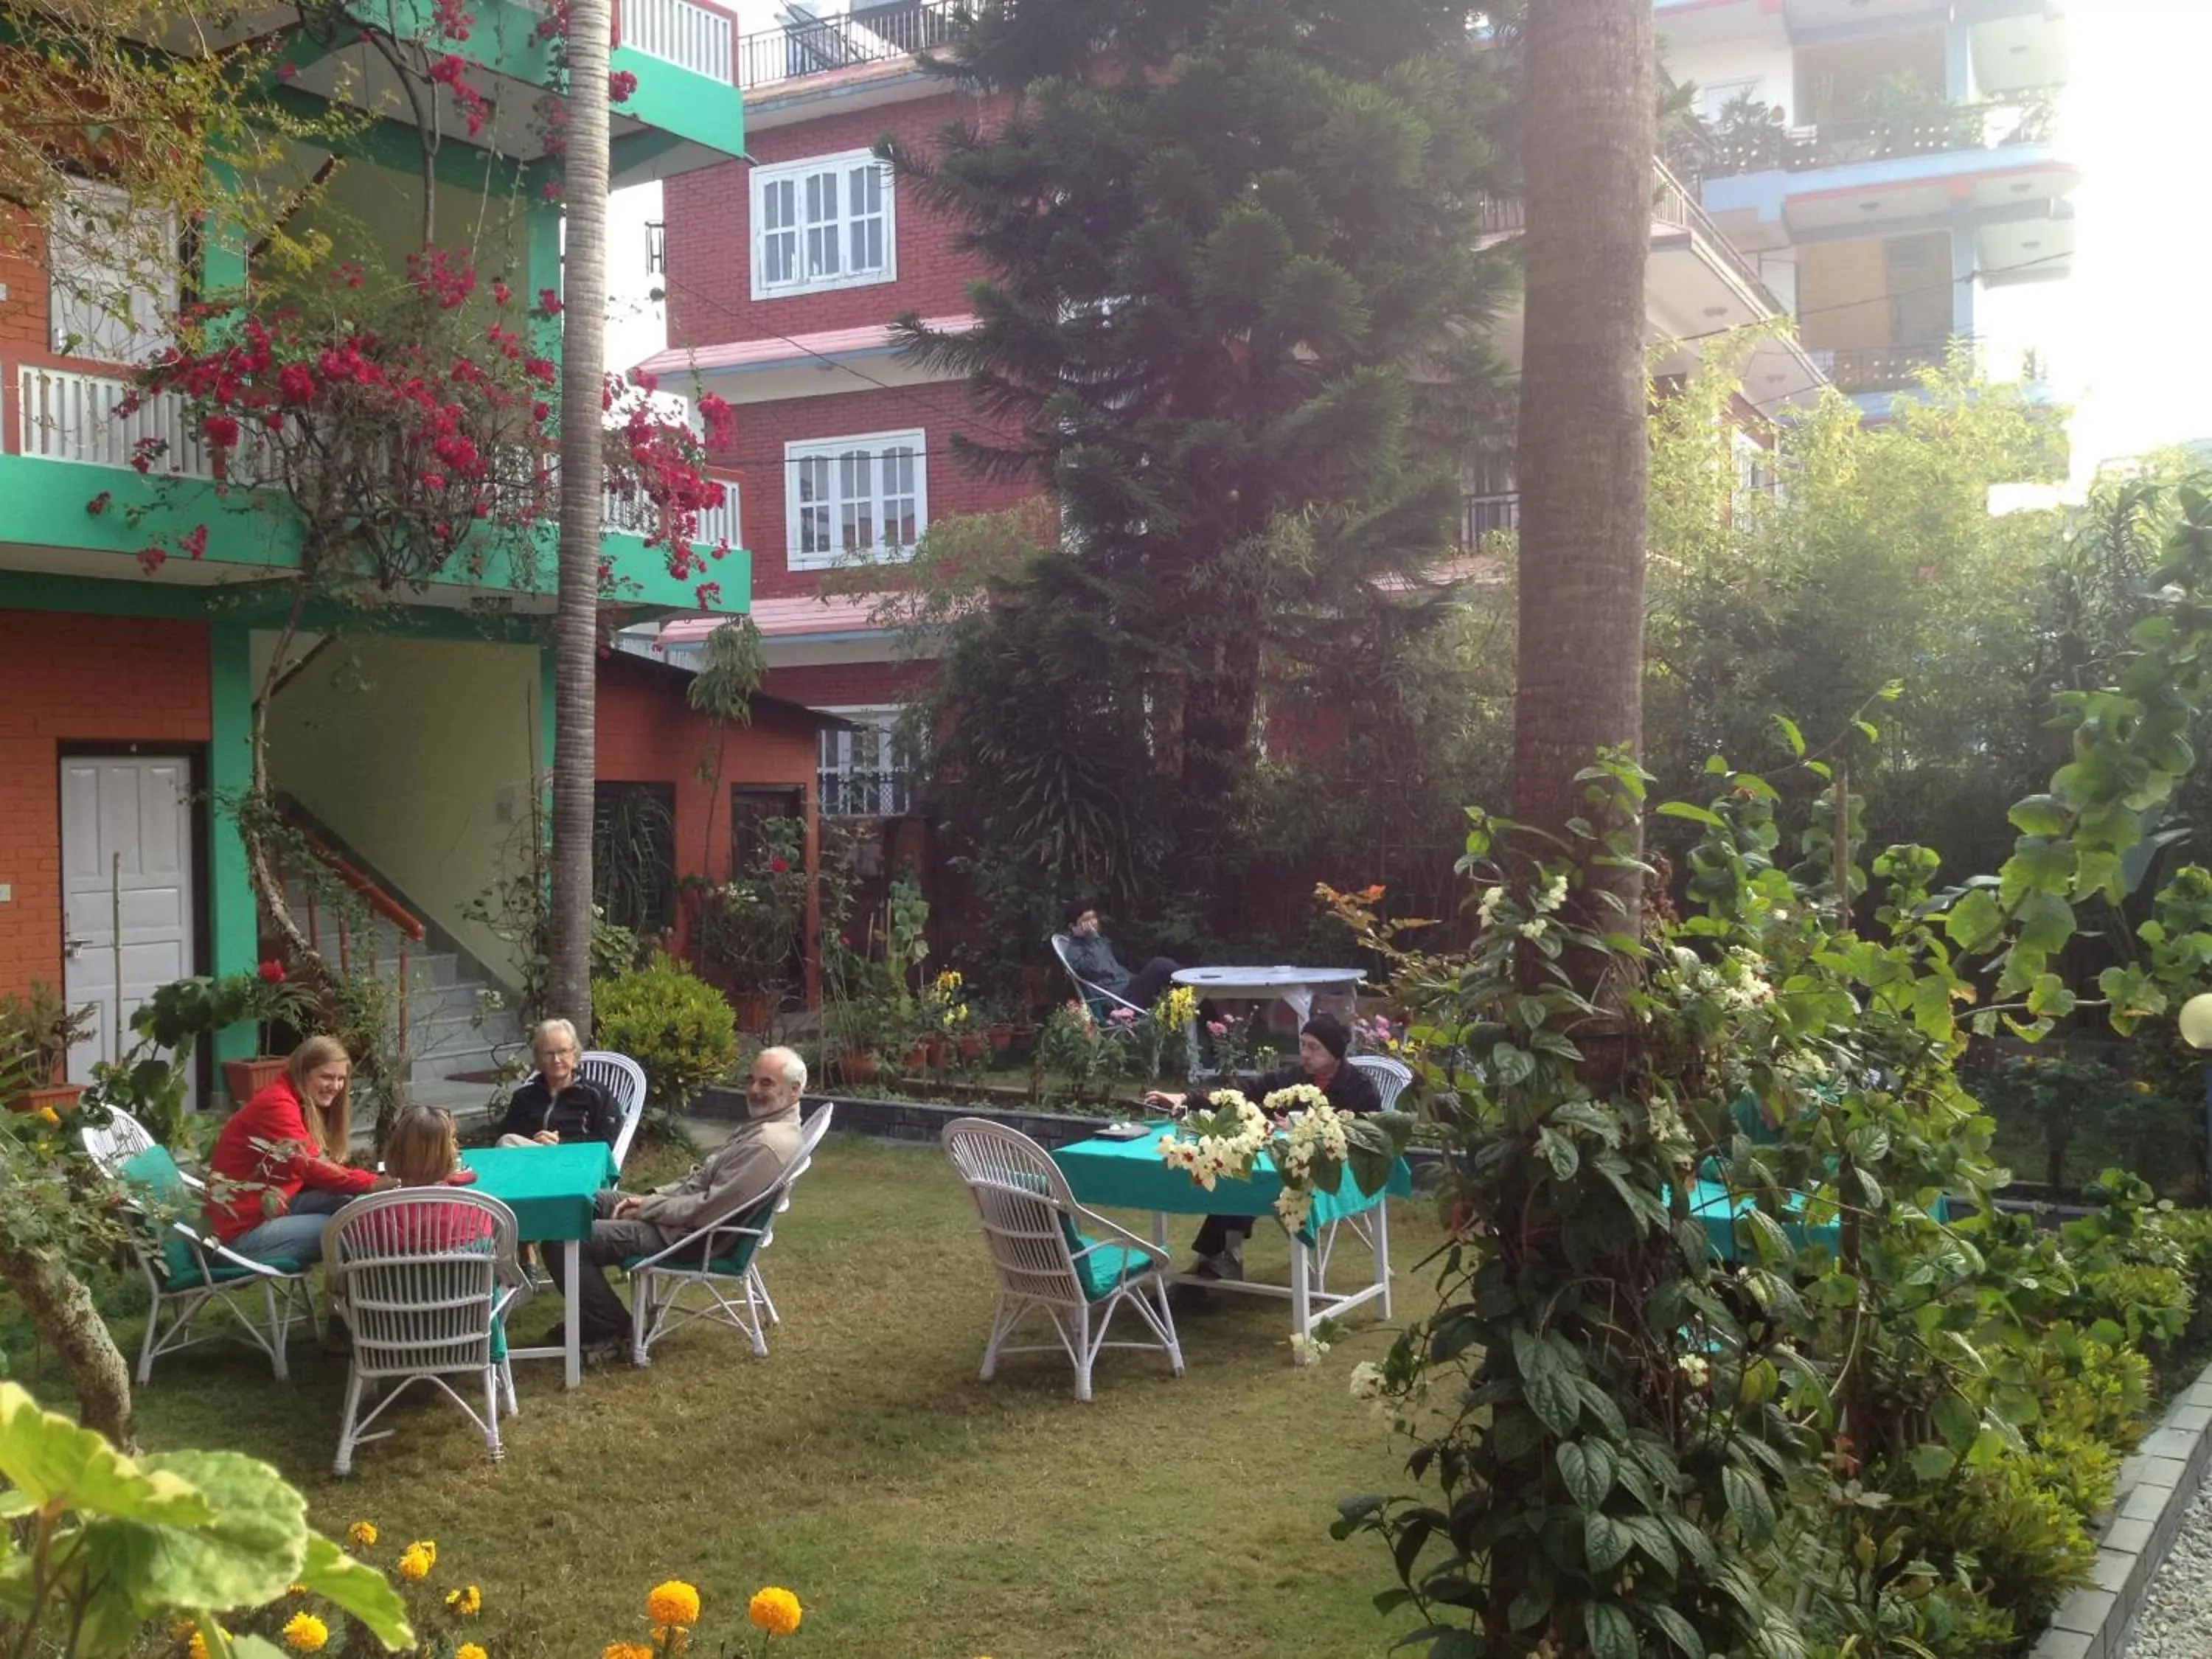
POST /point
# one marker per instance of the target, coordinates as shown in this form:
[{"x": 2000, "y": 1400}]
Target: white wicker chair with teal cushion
[
  {"x": 116, "y": 1142},
  {"x": 721, "y": 1262},
  {"x": 425, "y": 1277},
  {"x": 623, "y": 1080},
  {"x": 1391, "y": 1077},
  {"x": 1052, "y": 1255},
  {"x": 189, "y": 1271}
]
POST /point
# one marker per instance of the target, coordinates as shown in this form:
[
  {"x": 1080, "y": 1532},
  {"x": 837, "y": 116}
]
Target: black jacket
[
  {"x": 581, "y": 1112},
  {"x": 1349, "y": 1091}
]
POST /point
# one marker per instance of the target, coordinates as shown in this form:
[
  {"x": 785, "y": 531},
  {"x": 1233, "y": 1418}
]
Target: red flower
[
  {"x": 194, "y": 541},
  {"x": 98, "y": 504},
  {"x": 151, "y": 558},
  {"x": 297, "y": 382},
  {"x": 540, "y": 369},
  {"x": 549, "y": 302},
  {"x": 220, "y": 430},
  {"x": 500, "y": 292},
  {"x": 778, "y": 866},
  {"x": 620, "y": 85},
  {"x": 272, "y": 972}
]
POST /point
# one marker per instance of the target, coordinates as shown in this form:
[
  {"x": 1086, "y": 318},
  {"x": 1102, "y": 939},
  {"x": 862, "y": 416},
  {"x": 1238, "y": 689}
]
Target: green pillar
[{"x": 234, "y": 927}]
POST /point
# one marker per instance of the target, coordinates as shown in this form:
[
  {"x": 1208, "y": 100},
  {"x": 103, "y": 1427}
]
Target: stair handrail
[{"x": 379, "y": 902}]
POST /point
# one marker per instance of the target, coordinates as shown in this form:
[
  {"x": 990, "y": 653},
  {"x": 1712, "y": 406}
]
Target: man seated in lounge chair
[
  {"x": 739, "y": 1174},
  {"x": 1323, "y": 1042},
  {"x": 1093, "y": 960}
]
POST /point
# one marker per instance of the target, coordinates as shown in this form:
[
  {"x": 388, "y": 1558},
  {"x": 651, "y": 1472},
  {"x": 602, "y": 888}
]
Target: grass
[{"x": 915, "y": 1510}]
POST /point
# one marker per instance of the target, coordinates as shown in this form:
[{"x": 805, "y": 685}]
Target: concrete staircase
[{"x": 451, "y": 1029}]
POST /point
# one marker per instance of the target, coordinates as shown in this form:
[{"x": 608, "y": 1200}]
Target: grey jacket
[
  {"x": 739, "y": 1174},
  {"x": 1094, "y": 960}
]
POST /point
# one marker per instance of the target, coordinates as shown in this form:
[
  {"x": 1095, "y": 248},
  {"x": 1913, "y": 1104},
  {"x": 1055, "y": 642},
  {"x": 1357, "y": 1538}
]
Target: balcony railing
[
  {"x": 1479, "y": 515},
  {"x": 1993, "y": 125},
  {"x": 702, "y": 39},
  {"x": 1880, "y": 367},
  {"x": 868, "y": 34},
  {"x": 68, "y": 415},
  {"x": 1671, "y": 205}
]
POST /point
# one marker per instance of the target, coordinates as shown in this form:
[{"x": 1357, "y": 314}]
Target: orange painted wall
[
  {"x": 67, "y": 678},
  {"x": 647, "y": 733}
]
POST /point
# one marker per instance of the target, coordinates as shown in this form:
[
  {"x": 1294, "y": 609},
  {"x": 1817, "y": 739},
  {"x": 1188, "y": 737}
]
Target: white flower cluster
[
  {"x": 1307, "y": 1350},
  {"x": 1738, "y": 981},
  {"x": 1318, "y": 1136},
  {"x": 1367, "y": 1381},
  {"x": 1208, "y": 1157}
]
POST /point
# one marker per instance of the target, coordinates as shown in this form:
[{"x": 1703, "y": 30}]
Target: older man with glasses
[
  {"x": 739, "y": 1174},
  {"x": 558, "y": 1106}
]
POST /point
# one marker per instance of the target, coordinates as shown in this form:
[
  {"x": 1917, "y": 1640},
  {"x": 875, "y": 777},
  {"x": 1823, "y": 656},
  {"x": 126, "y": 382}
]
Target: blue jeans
[{"x": 297, "y": 1234}]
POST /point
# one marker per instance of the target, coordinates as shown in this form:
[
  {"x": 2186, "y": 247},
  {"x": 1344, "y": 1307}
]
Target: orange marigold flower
[
  {"x": 674, "y": 1602},
  {"x": 362, "y": 1535},
  {"x": 626, "y": 1650},
  {"x": 305, "y": 1633},
  {"x": 774, "y": 1609}
]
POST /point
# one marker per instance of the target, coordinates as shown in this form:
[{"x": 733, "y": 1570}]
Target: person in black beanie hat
[{"x": 1323, "y": 1042}]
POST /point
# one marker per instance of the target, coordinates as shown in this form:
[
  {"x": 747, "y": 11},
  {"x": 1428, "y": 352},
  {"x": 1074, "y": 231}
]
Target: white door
[{"x": 126, "y": 854}]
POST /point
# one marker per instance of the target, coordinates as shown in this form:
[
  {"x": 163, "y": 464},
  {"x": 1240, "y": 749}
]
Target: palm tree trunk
[
  {"x": 583, "y": 483},
  {"x": 1590, "y": 102}
]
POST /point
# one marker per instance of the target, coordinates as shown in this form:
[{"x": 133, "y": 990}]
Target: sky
[{"x": 2128, "y": 336}]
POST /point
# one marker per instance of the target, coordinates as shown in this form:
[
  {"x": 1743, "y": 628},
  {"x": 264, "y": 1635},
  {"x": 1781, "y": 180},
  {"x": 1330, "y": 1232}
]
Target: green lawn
[{"x": 917, "y": 1511}]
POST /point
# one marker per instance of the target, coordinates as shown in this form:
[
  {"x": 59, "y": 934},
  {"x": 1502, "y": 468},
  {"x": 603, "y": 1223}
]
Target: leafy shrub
[
  {"x": 671, "y": 1022},
  {"x": 2025, "y": 1544}
]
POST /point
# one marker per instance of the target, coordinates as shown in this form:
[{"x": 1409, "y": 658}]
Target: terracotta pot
[
  {"x": 1001, "y": 1036},
  {"x": 917, "y": 1058},
  {"x": 57, "y": 1097},
  {"x": 857, "y": 1065},
  {"x": 971, "y": 1045},
  {"x": 756, "y": 1009},
  {"x": 245, "y": 1079}
]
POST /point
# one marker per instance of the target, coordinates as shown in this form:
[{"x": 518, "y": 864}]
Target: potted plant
[
  {"x": 36, "y": 1036},
  {"x": 268, "y": 998},
  {"x": 746, "y": 930}
]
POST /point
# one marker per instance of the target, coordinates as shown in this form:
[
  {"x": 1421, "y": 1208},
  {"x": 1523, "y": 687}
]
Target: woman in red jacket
[{"x": 277, "y": 1176}]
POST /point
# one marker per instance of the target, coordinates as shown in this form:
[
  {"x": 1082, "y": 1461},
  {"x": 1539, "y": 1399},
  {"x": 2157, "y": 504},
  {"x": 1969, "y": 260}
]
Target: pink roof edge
[{"x": 778, "y": 348}]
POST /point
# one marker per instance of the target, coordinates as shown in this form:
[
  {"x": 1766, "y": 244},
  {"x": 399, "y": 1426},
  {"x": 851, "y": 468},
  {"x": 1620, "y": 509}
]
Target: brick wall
[
  {"x": 647, "y": 733},
  {"x": 709, "y": 217},
  {"x": 764, "y": 429},
  {"x": 71, "y": 679},
  {"x": 22, "y": 269}
]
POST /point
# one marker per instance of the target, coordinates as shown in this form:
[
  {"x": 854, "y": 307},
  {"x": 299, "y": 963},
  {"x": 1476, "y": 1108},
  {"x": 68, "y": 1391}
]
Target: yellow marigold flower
[
  {"x": 428, "y": 1548},
  {"x": 414, "y": 1564},
  {"x": 672, "y": 1604},
  {"x": 626, "y": 1650},
  {"x": 467, "y": 1602},
  {"x": 468, "y": 1651},
  {"x": 774, "y": 1610},
  {"x": 305, "y": 1633},
  {"x": 48, "y": 1115},
  {"x": 362, "y": 1535},
  {"x": 295, "y": 1589},
  {"x": 197, "y": 1646}
]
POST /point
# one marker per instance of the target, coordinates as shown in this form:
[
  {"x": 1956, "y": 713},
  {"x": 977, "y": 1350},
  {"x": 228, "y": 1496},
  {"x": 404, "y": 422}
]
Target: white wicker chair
[
  {"x": 722, "y": 1259},
  {"x": 623, "y": 1080},
  {"x": 425, "y": 1276},
  {"x": 1391, "y": 1077},
  {"x": 188, "y": 1271},
  {"x": 116, "y": 1142},
  {"x": 1041, "y": 1245}
]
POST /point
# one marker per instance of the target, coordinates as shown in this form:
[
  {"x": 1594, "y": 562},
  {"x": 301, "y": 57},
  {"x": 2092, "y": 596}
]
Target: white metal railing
[
  {"x": 67, "y": 415},
  {"x": 700, "y": 39},
  {"x": 630, "y": 512}
]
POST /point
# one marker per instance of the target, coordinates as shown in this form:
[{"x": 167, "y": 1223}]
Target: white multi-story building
[{"x": 1884, "y": 163}]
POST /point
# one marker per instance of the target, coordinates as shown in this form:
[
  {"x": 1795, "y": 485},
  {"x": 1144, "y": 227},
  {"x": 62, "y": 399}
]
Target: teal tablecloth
[
  {"x": 1714, "y": 1209},
  {"x": 1128, "y": 1175},
  {"x": 549, "y": 1189}
]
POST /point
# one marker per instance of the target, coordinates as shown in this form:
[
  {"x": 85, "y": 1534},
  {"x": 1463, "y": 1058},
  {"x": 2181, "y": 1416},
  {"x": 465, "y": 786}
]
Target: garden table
[
  {"x": 551, "y": 1191},
  {"x": 1297, "y": 986},
  {"x": 1128, "y": 1175}
]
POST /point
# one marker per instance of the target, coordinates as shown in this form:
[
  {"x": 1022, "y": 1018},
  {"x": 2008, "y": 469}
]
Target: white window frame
[
  {"x": 814, "y": 492},
  {"x": 799, "y": 188},
  {"x": 92, "y": 266},
  {"x": 835, "y": 763}
]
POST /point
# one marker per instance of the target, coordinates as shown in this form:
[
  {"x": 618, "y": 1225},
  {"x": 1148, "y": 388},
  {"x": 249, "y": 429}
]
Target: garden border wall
[{"x": 2157, "y": 1484}]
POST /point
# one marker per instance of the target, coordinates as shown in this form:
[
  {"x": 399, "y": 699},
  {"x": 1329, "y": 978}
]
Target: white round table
[{"x": 1298, "y": 987}]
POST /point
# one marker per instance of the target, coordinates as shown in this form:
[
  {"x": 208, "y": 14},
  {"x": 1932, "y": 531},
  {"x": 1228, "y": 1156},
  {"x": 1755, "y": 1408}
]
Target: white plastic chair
[
  {"x": 425, "y": 1276},
  {"x": 720, "y": 1259},
  {"x": 623, "y": 1080},
  {"x": 1391, "y": 1077},
  {"x": 1041, "y": 1245},
  {"x": 188, "y": 1271}
]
